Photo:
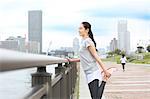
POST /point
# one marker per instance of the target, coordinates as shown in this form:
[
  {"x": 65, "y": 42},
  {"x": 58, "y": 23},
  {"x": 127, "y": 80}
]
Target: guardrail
[{"x": 43, "y": 86}]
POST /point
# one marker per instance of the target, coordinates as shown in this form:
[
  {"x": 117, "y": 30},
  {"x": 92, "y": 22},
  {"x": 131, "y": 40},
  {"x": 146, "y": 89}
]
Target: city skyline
[{"x": 64, "y": 26}]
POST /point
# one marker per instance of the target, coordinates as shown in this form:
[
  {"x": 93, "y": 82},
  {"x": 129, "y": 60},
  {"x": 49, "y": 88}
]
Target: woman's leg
[
  {"x": 123, "y": 66},
  {"x": 93, "y": 87},
  {"x": 101, "y": 90},
  {"x": 96, "y": 90}
]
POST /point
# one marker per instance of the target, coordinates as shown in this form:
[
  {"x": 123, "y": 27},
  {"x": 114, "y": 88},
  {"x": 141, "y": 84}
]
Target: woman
[
  {"x": 89, "y": 59},
  {"x": 123, "y": 61}
]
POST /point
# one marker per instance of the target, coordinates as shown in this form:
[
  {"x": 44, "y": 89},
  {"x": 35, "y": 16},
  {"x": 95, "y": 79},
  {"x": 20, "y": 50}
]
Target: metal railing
[{"x": 62, "y": 86}]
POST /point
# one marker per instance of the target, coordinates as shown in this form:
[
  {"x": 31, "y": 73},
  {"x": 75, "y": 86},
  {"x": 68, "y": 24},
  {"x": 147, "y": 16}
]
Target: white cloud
[{"x": 70, "y": 13}]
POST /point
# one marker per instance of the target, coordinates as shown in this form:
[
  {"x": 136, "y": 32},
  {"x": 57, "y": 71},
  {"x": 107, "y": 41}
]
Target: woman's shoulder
[{"x": 88, "y": 39}]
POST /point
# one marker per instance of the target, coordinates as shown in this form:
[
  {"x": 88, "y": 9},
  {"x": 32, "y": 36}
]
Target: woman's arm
[{"x": 95, "y": 55}]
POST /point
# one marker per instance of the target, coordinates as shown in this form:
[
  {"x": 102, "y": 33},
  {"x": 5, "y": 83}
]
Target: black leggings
[
  {"x": 123, "y": 66},
  {"x": 96, "y": 90}
]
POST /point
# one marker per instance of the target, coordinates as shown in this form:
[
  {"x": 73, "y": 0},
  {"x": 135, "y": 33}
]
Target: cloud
[
  {"x": 63, "y": 17},
  {"x": 61, "y": 28},
  {"x": 139, "y": 11}
]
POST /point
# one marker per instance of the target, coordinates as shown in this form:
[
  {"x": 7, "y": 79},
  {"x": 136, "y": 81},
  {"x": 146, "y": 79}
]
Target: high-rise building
[
  {"x": 35, "y": 27},
  {"x": 33, "y": 47},
  {"x": 113, "y": 44},
  {"x": 10, "y": 43},
  {"x": 21, "y": 43},
  {"x": 123, "y": 36},
  {"x": 14, "y": 43}
]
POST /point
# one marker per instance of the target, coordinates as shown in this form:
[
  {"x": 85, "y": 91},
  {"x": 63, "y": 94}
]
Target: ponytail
[{"x": 88, "y": 26}]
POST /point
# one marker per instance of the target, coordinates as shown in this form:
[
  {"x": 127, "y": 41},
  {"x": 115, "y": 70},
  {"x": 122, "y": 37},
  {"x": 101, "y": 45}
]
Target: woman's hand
[{"x": 107, "y": 74}]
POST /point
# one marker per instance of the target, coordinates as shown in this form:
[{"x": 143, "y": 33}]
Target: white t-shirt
[
  {"x": 88, "y": 62},
  {"x": 95, "y": 75},
  {"x": 123, "y": 60}
]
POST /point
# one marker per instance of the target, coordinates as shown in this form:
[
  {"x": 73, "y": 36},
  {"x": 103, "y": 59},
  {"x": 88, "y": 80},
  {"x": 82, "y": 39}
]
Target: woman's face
[{"x": 82, "y": 30}]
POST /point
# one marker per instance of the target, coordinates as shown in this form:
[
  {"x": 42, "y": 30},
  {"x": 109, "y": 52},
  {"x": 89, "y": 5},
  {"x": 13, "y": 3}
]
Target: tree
[
  {"x": 123, "y": 53},
  {"x": 148, "y": 48},
  {"x": 110, "y": 53},
  {"x": 117, "y": 51}
]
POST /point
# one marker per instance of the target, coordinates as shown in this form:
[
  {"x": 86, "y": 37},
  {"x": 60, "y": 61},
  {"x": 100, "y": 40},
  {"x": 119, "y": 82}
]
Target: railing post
[
  {"x": 69, "y": 80},
  {"x": 42, "y": 77},
  {"x": 58, "y": 69},
  {"x": 73, "y": 75},
  {"x": 63, "y": 81},
  {"x": 72, "y": 79}
]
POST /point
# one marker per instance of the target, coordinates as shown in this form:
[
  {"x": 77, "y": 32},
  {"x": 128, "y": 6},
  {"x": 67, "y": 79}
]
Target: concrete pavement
[{"x": 134, "y": 83}]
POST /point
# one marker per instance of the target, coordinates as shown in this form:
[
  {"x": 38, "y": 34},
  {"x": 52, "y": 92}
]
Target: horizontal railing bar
[
  {"x": 56, "y": 79},
  {"x": 37, "y": 92},
  {"x": 13, "y": 60}
]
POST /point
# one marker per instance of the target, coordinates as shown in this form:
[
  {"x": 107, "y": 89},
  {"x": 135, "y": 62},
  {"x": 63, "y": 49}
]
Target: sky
[{"x": 61, "y": 19}]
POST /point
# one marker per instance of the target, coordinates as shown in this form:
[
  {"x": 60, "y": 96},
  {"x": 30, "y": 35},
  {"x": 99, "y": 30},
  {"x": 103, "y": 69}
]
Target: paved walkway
[
  {"x": 83, "y": 87},
  {"x": 134, "y": 83}
]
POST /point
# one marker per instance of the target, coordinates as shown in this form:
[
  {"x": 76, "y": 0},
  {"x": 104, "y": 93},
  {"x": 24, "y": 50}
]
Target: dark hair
[
  {"x": 123, "y": 55},
  {"x": 87, "y": 25}
]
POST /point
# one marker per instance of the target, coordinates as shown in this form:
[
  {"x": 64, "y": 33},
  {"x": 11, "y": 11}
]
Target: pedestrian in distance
[{"x": 123, "y": 61}]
